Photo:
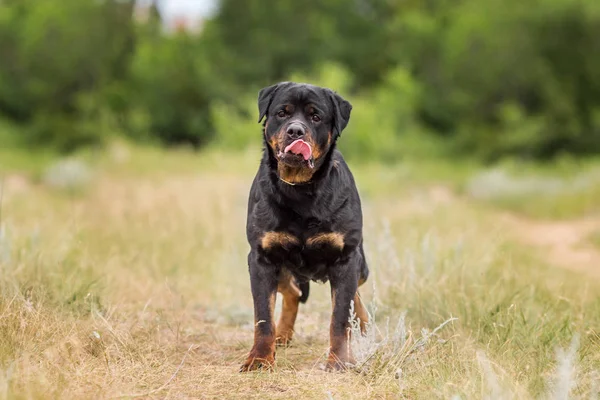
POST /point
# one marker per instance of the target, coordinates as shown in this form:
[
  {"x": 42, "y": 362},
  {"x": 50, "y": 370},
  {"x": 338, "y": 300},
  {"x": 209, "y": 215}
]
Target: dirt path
[{"x": 564, "y": 243}]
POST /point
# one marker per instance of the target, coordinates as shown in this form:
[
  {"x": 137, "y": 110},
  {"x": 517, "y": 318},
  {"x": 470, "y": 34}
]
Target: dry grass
[{"x": 137, "y": 286}]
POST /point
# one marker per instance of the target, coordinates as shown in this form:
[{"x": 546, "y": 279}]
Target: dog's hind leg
[
  {"x": 361, "y": 313},
  {"x": 359, "y": 308},
  {"x": 291, "y": 298}
]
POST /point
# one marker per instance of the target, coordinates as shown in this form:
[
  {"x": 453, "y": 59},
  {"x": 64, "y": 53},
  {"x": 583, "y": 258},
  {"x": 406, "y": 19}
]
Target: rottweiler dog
[{"x": 304, "y": 220}]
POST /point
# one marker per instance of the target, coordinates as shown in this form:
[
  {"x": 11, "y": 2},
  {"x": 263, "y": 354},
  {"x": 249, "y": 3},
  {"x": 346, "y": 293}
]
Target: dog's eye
[
  {"x": 316, "y": 118},
  {"x": 281, "y": 114}
]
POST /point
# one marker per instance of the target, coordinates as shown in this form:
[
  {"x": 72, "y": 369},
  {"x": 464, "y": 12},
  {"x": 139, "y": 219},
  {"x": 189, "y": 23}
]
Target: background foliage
[{"x": 491, "y": 79}]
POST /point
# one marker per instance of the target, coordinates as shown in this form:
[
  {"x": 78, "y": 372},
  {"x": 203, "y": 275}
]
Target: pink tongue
[{"x": 299, "y": 147}]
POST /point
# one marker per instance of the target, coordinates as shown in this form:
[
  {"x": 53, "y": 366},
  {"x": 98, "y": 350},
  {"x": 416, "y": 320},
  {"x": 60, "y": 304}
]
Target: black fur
[
  {"x": 327, "y": 203},
  {"x": 305, "y": 288}
]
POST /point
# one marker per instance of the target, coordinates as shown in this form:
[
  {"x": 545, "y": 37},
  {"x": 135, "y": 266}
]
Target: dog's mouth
[{"x": 297, "y": 153}]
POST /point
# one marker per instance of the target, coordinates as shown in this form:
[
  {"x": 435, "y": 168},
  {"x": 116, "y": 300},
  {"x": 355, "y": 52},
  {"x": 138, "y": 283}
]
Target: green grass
[
  {"x": 562, "y": 190},
  {"x": 14, "y": 159},
  {"x": 594, "y": 238}
]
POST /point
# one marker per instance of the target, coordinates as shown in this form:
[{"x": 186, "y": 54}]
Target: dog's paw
[
  {"x": 283, "y": 340},
  {"x": 254, "y": 363},
  {"x": 337, "y": 364}
]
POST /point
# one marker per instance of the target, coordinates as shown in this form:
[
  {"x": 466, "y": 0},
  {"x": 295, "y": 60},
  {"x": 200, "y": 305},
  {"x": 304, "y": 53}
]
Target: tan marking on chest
[
  {"x": 334, "y": 239},
  {"x": 283, "y": 239}
]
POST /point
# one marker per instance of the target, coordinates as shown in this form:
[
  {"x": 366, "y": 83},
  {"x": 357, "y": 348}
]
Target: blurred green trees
[
  {"x": 486, "y": 78},
  {"x": 58, "y": 60}
]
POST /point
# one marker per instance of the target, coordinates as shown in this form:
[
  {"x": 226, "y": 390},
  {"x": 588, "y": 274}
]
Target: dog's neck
[
  {"x": 294, "y": 175},
  {"x": 298, "y": 176},
  {"x": 289, "y": 183}
]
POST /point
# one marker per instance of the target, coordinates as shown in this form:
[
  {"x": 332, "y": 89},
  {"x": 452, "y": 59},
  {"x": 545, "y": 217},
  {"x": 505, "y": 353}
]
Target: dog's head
[{"x": 302, "y": 124}]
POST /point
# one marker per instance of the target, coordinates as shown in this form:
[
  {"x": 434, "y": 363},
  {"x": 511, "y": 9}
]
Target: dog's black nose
[{"x": 296, "y": 130}]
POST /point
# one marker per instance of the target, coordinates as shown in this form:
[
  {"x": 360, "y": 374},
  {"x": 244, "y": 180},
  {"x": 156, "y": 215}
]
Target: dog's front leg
[
  {"x": 344, "y": 283},
  {"x": 263, "y": 281}
]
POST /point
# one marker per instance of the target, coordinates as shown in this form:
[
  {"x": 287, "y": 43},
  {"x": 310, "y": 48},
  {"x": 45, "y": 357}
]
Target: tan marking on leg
[
  {"x": 262, "y": 354},
  {"x": 339, "y": 350},
  {"x": 334, "y": 239},
  {"x": 291, "y": 299},
  {"x": 283, "y": 239},
  {"x": 361, "y": 313}
]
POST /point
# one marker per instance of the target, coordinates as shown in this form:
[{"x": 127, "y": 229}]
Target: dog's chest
[{"x": 307, "y": 253}]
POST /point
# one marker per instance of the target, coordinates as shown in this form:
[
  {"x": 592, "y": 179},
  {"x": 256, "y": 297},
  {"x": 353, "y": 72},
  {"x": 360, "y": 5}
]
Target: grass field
[{"x": 125, "y": 275}]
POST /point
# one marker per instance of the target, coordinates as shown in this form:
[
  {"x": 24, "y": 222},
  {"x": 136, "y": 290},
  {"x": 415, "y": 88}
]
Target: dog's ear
[
  {"x": 265, "y": 96},
  {"x": 341, "y": 111}
]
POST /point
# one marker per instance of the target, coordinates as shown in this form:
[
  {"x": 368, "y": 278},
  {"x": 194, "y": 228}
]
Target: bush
[
  {"x": 469, "y": 78},
  {"x": 518, "y": 78},
  {"x": 172, "y": 86},
  {"x": 489, "y": 79},
  {"x": 382, "y": 126},
  {"x": 57, "y": 52}
]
